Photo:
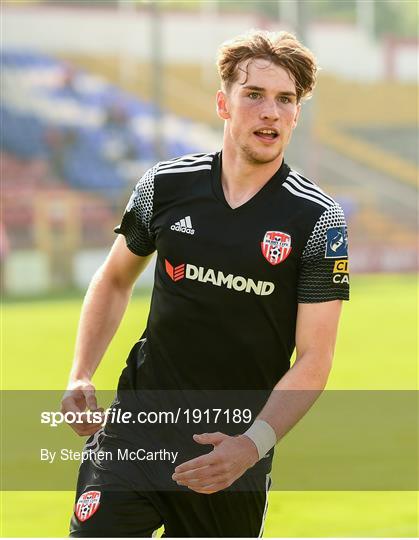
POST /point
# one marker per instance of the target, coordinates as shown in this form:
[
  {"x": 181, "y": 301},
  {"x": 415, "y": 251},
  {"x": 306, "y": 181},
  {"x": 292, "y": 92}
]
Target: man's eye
[
  {"x": 254, "y": 95},
  {"x": 284, "y": 99}
]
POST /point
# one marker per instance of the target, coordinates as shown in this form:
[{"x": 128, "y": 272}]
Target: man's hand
[
  {"x": 79, "y": 396},
  {"x": 217, "y": 470}
]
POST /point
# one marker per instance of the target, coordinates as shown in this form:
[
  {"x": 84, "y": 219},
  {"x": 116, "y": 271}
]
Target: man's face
[{"x": 260, "y": 110}]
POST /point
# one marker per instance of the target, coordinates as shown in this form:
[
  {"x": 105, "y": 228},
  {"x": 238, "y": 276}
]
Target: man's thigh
[
  {"x": 222, "y": 514},
  {"x": 109, "y": 505},
  {"x": 103, "y": 511},
  {"x": 106, "y": 507},
  {"x": 120, "y": 514}
]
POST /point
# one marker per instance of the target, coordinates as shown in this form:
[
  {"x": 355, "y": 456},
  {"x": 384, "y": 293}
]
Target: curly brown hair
[{"x": 281, "y": 48}]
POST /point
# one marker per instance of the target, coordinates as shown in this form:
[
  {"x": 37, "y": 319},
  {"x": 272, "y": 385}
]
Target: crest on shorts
[
  {"x": 87, "y": 505},
  {"x": 276, "y": 246}
]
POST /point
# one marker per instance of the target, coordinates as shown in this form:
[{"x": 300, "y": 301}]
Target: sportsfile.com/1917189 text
[{"x": 117, "y": 416}]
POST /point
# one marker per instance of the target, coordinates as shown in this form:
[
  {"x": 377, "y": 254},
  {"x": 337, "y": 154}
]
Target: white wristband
[{"x": 263, "y": 435}]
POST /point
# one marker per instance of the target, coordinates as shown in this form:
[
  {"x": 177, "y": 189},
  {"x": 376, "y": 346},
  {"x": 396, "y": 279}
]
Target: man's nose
[{"x": 270, "y": 110}]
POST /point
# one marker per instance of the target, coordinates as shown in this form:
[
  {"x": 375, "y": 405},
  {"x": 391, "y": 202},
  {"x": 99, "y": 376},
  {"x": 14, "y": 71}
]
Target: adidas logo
[{"x": 184, "y": 226}]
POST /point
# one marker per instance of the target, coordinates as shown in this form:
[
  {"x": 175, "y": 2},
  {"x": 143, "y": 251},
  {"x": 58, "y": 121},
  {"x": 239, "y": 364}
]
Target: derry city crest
[
  {"x": 276, "y": 246},
  {"x": 87, "y": 505}
]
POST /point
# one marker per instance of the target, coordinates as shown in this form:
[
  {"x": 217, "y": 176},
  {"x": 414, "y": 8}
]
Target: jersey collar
[{"x": 277, "y": 179}]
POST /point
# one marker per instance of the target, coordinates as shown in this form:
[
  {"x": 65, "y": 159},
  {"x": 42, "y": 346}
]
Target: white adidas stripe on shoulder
[
  {"x": 292, "y": 190},
  {"x": 186, "y": 163},
  {"x": 188, "y": 159},
  {"x": 304, "y": 196},
  {"x": 185, "y": 169},
  {"x": 186, "y": 156},
  {"x": 310, "y": 185},
  {"x": 314, "y": 193},
  {"x": 307, "y": 190}
]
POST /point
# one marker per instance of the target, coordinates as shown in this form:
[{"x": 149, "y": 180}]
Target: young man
[{"x": 251, "y": 262}]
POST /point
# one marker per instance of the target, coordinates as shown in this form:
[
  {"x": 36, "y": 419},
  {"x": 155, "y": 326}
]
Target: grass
[{"x": 376, "y": 350}]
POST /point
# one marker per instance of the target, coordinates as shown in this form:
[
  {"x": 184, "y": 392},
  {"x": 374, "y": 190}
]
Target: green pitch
[{"x": 376, "y": 350}]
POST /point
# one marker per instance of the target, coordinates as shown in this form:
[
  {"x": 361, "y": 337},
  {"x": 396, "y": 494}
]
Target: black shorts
[
  {"x": 106, "y": 507},
  {"x": 129, "y": 498}
]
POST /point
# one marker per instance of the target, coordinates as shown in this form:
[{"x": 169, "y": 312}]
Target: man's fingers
[
  {"x": 202, "y": 472},
  {"x": 80, "y": 395},
  {"x": 204, "y": 482},
  {"x": 73, "y": 400},
  {"x": 210, "y": 438},
  {"x": 69, "y": 404},
  {"x": 91, "y": 402},
  {"x": 208, "y": 472},
  {"x": 196, "y": 463}
]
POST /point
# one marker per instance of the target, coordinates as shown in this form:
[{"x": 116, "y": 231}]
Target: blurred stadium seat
[
  {"x": 87, "y": 127},
  {"x": 64, "y": 132}
]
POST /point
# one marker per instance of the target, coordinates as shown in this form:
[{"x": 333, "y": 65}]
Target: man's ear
[
  {"x": 222, "y": 108},
  {"x": 297, "y": 116}
]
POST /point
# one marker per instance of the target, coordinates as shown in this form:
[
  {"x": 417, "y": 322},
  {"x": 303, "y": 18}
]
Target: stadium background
[{"x": 95, "y": 92}]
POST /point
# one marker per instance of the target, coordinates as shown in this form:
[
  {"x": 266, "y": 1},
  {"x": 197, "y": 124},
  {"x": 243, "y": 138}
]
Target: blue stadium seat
[{"x": 78, "y": 150}]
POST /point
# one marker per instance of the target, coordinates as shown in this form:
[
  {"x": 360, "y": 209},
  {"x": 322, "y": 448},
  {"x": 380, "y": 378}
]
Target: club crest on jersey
[
  {"x": 87, "y": 505},
  {"x": 276, "y": 246}
]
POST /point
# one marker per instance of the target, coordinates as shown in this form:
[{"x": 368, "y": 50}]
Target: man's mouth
[{"x": 267, "y": 134}]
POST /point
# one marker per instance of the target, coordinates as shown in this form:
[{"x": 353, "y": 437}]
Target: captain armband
[{"x": 263, "y": 435}]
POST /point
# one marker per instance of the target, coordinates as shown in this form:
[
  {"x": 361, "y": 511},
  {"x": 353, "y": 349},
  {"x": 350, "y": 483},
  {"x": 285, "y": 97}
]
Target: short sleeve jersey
[{"x": 228, "y": 281}]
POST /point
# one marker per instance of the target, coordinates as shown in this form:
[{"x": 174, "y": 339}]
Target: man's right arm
[{"x": 103, "y": 308}]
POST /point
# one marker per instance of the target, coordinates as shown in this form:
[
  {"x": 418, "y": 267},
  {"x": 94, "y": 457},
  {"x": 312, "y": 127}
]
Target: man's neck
[{"x": 241, "y": 180}]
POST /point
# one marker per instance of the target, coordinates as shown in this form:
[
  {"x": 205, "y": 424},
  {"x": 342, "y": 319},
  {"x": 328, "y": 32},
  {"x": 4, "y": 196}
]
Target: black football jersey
[{"x": 228, "y": 281}]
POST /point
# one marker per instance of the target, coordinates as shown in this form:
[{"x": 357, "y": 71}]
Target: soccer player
[{"x": 251, "y": 263}]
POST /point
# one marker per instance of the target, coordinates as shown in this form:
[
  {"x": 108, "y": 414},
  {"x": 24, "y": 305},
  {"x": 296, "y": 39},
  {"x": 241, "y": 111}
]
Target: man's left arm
[{"x": 291, "y": 398}]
